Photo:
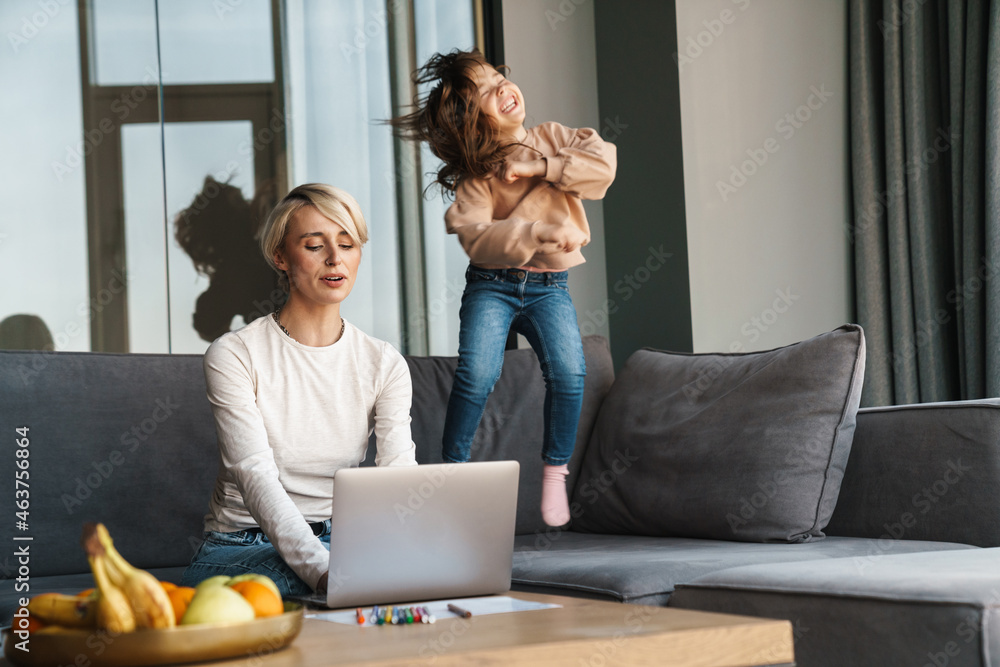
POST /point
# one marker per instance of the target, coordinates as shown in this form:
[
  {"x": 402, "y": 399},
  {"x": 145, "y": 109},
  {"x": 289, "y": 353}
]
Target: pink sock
[{"x": 555, "y": 504}]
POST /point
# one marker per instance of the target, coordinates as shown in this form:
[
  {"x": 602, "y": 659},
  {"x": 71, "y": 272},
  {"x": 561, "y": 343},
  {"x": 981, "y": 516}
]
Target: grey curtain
[{"x": 925, "y": 134}]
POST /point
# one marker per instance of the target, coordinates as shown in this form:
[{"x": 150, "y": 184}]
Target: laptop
[{"x": 426, "y": 532}]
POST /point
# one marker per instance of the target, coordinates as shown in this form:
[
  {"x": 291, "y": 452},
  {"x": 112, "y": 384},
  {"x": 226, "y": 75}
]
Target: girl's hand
[
  {"x": 565, "y": 238},
  {"x": 514, "y": 169}
]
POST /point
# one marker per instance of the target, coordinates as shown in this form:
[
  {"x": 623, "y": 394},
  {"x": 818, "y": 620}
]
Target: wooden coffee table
[{"x": 580, "y": 633}]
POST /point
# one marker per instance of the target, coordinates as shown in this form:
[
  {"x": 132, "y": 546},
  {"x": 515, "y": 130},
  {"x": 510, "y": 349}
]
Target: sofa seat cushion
[
  {"x": 748, "y": 446},
  {"x": 70, "y": 584},
  {"x": 645, "y": 570},
  {"x": 940, "y": 608}
]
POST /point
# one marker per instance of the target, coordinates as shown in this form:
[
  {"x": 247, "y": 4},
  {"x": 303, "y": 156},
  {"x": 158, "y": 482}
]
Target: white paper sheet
[{"x": 499, "y": 604}]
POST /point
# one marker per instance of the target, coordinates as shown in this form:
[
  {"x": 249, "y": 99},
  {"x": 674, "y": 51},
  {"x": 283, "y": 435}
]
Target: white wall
[
  {"x": 769, "y": 259},
  {"x": 549, "y": 47}
]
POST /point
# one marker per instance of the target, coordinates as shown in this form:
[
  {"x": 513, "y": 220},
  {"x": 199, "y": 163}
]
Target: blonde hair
[{"x": 335, "y": 204}]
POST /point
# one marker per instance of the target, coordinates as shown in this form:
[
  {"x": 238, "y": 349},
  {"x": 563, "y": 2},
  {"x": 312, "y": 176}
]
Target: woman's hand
[{"x": 512, "y": 170}]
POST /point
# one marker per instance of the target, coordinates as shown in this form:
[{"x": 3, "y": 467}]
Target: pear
[
  {"x": 217, "y": 604},
  {"x": 217, "y": 580},
  {"x": 259, "y": 578}
]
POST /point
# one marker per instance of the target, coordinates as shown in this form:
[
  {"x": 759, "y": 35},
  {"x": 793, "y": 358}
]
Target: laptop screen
[{"x": 400, "y": 534}]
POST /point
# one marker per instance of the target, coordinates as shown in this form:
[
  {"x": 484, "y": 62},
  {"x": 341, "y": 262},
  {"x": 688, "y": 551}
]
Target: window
[{"x": 146, "y": 140}]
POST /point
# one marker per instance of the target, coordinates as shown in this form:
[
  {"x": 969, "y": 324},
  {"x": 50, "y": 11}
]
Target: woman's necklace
[{"x": 343, "y": 326}]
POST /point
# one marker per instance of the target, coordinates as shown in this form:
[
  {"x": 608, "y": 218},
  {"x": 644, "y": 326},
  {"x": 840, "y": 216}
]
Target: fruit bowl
[{"x": 183, "y": 643}]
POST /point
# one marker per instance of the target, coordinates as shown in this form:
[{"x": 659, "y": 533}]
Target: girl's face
[
  {"x": 319, "y": 256},
  {"x": 501, "y": 100}
]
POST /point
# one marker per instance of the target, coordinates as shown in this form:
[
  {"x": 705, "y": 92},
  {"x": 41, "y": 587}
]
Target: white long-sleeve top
[{"x": 288, "y": 416}]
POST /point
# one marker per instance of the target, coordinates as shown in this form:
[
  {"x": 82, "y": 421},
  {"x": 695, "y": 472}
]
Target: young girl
[{"x": 518, "y": 215}]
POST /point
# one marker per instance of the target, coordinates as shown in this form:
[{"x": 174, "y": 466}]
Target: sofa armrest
[{"x": 924, "y": 472}]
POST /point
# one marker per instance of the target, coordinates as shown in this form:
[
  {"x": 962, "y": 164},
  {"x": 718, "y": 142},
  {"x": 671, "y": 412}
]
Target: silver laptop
[{"x": 402, "y": 534}]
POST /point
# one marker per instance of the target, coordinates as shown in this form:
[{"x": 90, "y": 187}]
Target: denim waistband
[
  {"x": 519, "y": 275},
  {"x": 319, "y": 529}
]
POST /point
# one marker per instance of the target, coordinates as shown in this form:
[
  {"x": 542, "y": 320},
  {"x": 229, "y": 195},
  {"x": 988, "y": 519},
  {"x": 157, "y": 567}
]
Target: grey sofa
[{"x": 907, "y": 573}]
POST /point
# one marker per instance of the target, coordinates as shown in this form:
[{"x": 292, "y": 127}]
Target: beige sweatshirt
[
  {"x": 288, "y": 416},
  {"x": 496, "y": 221}
]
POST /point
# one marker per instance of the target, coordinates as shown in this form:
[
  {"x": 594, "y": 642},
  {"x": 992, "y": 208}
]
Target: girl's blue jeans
[
  {"x": 537, "y": 306},
  {"x": 246, "y": 551}
]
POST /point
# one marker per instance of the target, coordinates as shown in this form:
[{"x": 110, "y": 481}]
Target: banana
[
  {"x": 68, "y": 611},
  {"x": 114, "y": 613},
  {"x": 149, "y": 601}
]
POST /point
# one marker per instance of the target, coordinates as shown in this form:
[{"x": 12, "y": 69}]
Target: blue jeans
[
  {"x": 247, "y": 551},
  {"x": 538, "y": 306}
]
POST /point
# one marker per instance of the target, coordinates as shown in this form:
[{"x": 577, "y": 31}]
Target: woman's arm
[
  {"x": 393, "y": 400},
  {"x": 246, "y": 454}
]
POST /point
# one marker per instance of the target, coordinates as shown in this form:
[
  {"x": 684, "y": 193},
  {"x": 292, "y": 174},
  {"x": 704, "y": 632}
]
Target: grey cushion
[
  {"x": 924, "y": 472},
  {"x": 748, "y": 447},
  {"x": 512, "y": 426},
  {"x": 126, "y": 439},
  {"x": 911, "y": 609},
  {"x": 645, "y": 570}
]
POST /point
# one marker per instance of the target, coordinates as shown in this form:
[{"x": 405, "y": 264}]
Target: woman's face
[{"x": 319, "y": 256}]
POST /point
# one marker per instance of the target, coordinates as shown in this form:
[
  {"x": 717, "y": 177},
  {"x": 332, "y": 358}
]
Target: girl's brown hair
[{"x": 449, "y": 119}]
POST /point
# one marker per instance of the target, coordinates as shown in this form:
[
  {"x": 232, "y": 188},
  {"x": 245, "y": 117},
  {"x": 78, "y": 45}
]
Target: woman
[{"x": 295, "y": 397}]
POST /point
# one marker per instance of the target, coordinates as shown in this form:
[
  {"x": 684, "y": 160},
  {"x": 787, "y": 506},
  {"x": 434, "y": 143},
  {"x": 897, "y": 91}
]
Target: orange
[
  {"x": 33, "y": 624},
  {"x": 86, "y": 593},
  {"x": 180, "y": 598},
  {"x": 167, "y": 586},
  {"x": 261, "y": 598}
]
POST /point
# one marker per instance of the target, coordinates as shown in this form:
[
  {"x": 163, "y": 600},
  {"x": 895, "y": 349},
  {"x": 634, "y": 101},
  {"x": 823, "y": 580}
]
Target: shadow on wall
[
  {"x": 25, "y": 332},
  {"x": 219, "y": 231}
]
